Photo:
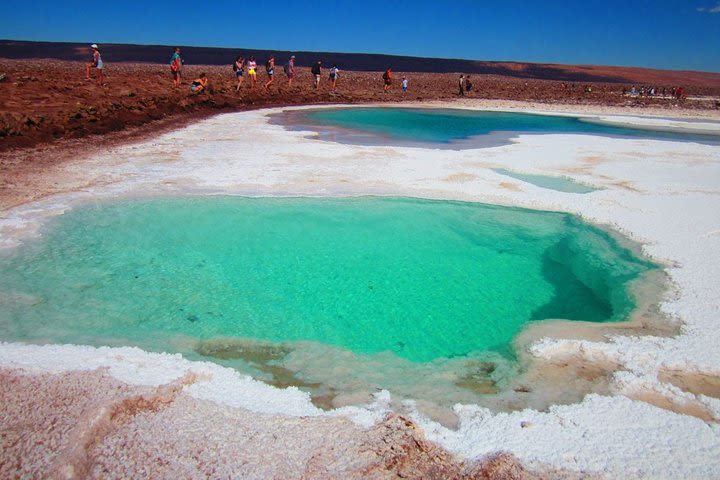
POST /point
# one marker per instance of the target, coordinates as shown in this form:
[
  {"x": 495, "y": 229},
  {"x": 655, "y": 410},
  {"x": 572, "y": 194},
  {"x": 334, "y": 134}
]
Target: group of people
[
  {"x": 464, "y": 85},
  {"x": 387, "y": 81},
  {"x": 248, "y": 67}
]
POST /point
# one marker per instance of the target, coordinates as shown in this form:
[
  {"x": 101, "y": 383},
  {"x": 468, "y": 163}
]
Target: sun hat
[{"x": 94, "y": 45}]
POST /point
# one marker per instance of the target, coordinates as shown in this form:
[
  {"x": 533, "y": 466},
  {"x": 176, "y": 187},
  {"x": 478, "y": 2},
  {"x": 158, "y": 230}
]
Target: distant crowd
[{"x": 677, "y": 93}]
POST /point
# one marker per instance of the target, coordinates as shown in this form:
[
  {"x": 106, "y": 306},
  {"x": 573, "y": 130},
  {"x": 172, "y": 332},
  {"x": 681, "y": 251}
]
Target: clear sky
[{"x": 672, "y": 34}]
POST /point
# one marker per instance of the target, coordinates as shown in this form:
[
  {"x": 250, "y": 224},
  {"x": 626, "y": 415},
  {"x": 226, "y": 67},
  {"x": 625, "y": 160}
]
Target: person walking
[
  {"x": 404, "y": 84},
  {"x": 315, "y": 70},
  {"x": 176, "y": 63},
  {"x": 387, "y": 79},
  {"x": 461, "y": 84},
  {"x": 334, "y": 76},
  {"x": 239, "y": 67},
  {"x": 468, "y": 84},
  {"x": 252, "y": 72},
  {"x": 96, "y": 63},
  {"x": 270, "y": 69},
  {"x": 290, "y": 69}
]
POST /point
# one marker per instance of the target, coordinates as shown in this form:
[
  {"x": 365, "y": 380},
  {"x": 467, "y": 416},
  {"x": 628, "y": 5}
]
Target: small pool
[
  {"x": 559, "y": 184},
  {"x": 454, "y": 128},
  {"x": 384, "y": 286}
]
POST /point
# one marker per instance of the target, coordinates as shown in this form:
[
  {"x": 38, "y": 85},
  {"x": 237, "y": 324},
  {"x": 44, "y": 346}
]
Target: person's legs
[{"x": 100, "y": 77}]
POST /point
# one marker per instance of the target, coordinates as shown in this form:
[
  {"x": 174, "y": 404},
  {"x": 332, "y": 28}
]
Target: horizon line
[{"x": 518, "y": 62}]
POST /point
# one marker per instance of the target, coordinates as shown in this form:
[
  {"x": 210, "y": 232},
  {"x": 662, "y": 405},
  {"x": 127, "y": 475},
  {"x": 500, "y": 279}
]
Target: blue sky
[{"x": 673, "y": 34}]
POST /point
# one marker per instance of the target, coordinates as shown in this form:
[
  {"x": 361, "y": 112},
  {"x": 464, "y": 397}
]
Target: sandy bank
[{"x": 90, "y": 425}]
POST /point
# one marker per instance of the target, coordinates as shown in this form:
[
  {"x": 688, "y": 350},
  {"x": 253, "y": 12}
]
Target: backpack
[
  {"x": 315, "y": 69},
  {"x": 385, "y": 76},
  {"x": 268, "y": 67},
  {"x": 235, "y": 69},
  {"x": 286, "y": 68}
]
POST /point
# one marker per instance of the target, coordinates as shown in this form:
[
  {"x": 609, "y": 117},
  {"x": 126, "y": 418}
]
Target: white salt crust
[{"x": 665, "y": 195}]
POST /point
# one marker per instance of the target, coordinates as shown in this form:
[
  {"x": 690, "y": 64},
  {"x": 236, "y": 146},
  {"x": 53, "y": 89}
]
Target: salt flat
[{"x": 661, "y": 419}]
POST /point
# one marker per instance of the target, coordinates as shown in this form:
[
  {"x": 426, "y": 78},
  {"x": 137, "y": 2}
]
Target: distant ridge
[{"x": 17, "y": 49}]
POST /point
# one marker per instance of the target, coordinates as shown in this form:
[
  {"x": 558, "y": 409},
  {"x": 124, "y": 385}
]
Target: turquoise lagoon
[
  {"x": 456, "y": 128},
  {"x": 418, "y": 281}
]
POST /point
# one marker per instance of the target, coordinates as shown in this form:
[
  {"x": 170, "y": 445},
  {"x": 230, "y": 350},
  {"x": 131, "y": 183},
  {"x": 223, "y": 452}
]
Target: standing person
[
  {"x": 270, "y": 69},
  {"x": 334, "y": 76},
  {"x": 387, "y": 79},
  {"x": 315, "y": 70},
  {"x": 290, "y": 69},
  {"x": 461, "y": 84},
  {"x": 252, "y": 72},
  {"x": 95, "y": 62},
  {"x": 404, "y": 84},
  {"x": 176, "y": 63},
  {"x": 468, "y": 84},
  {"x": 239, "y": 67}
]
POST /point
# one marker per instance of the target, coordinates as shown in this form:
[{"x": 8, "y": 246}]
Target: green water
[
  {"x": 449, "y": 125},
  {"x": 422, "y": 279}
]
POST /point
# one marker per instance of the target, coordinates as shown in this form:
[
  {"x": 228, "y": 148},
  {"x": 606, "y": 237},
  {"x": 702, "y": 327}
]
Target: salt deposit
[{"x": 663, "y": 194}]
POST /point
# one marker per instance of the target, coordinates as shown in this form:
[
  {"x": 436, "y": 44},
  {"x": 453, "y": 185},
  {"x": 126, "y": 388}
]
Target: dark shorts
[
  {"x": 239, "y": 73},
  {"x": 175, "y": 73}
]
